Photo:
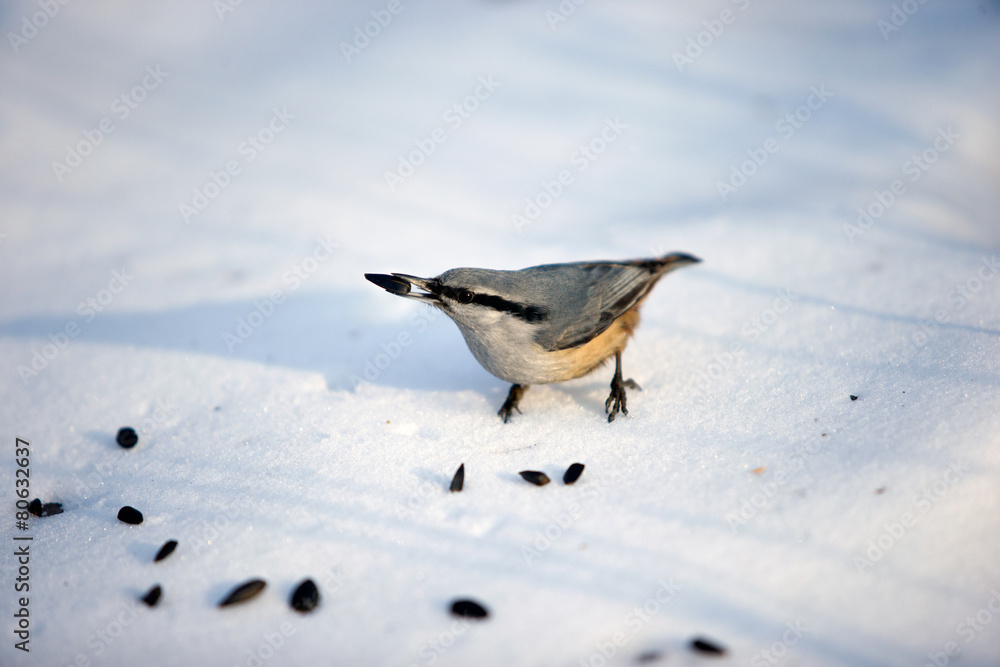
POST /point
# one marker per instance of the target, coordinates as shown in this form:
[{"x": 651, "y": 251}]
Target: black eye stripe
[{"x": 527, "y": 313}]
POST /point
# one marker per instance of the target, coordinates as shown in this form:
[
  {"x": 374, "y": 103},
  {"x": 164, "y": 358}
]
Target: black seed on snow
[
  {"x": 48, "y": 509},
  {"x": 130, "y": 515},
  {"x": 573, "y": 473},
  {"x": 127, "y": 437},
  {"x": 152, "y": 596},
  {"x": 305, "y": 597},
  {"x": 649, "y": 656},
  {"x": 535, "y": 477},
  {"x": 853, "y": 397},
  {"x": 243, "y": 592},
  {"x": 458, "y": 480},
  {"x": 35, "y": 507},
  {"x": 167, "y": 549},
  {"x": 707, "y": 646},
  {"x": 468, "y": 609}
]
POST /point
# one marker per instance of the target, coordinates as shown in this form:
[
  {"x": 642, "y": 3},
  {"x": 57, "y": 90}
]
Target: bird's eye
[{"x": 465, "y": 296}]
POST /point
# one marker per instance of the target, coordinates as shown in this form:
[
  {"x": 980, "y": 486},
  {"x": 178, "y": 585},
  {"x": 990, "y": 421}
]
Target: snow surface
[{"x": 746, "y": 498}]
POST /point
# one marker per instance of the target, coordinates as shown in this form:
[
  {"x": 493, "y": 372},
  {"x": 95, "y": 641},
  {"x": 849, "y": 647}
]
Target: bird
[{"x": 544, "y": 324}]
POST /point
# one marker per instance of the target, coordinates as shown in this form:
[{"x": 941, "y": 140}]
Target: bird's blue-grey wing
[{"x": 593, "y": 296}]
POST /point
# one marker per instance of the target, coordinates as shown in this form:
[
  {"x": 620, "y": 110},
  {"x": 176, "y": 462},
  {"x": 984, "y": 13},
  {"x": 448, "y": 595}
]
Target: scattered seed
[
  {"x": 535, "y": 477},
  {"x": 853, "y": 397},
  {"x": 650, "y": 656},
  {"x": 458, "y": 480},
  {"x": 243, "y": 592},
  {"x": 305, "y": 597},
  {"x": 759, "y": 471},
  {"x": 468, "y": 609},
  {"x": 573, "y": 473},
  {"x": 167, "y": 549},
  {"x": 127, "y": 437},
  {"x": 130, "y": 515},
  {"x": 152, "y": 596},
  {"x": 879, "y": 491},
  {"x": 702, "y": 645},
  {"x": 38, "y": 508}
]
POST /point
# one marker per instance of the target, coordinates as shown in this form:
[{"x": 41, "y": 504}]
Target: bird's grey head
[{"x": 474, "y": 298}]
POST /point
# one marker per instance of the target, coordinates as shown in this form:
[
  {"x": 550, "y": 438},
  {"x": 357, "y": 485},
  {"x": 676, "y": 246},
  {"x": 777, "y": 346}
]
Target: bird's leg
[
  {"x": 616, "y": 400},
  {"x": 513, "y": 398}
]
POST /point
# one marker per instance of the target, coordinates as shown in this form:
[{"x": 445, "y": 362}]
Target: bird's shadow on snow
[
  {"x": 349, "y": 337},
  {"x": 338, "y": 334}
]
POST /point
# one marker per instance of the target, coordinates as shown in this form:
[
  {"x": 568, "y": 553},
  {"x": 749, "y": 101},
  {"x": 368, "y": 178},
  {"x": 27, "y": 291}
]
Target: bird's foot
[
  {"x": 616, "y": 401},
  {"x": 513, "y": 398}
]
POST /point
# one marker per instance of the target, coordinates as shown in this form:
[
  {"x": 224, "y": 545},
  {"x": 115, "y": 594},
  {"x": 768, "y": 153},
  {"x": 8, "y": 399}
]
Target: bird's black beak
[{"x": 401, "y": 284}]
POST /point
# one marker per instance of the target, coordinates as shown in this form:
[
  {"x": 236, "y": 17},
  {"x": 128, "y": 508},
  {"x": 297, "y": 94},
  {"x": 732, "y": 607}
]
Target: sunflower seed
[
  {"x": 702, "y": 645},
  {"x": 38, "y": 508},
  {"x": 306, "y": 596},
  {"x": 389, "y": 283},
  {"x": 535, "y": 477},
  {"x": 853, "y": 397},
  {"x": 459, "y": 479},
  {"x": 573, "y": 473},
  {"x": 243, "y": 592},
  {"x": 468, "y": 609},
  {"x": 127, "y": 437},
  {"x": 152, "y": 596},
  {"x": 130, "y": 515},
  {"x": 167, "y": 549}
]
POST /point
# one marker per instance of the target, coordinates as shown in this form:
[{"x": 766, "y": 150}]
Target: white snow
[{"x": 745, "y": 498}]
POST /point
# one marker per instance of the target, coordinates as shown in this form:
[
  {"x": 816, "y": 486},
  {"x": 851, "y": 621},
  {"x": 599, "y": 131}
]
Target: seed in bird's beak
[
  {"x": 535, "y": 477},
  {"x": 468, "y": 609},
  {"x": 244, "y": 592},
  {"x": 459, "y": 479},
  {"x": 573, "y": 473},
  {"x": 389, "y": 283}
]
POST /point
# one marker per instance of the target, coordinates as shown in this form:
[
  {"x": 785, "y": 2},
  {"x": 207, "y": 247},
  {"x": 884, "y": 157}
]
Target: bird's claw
[
  {"x": 513, "y": 398},
  {"x": 616, "y": 401}
]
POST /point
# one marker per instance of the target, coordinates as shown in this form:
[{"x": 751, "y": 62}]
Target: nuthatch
[{"x": 544, "y": 324}]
